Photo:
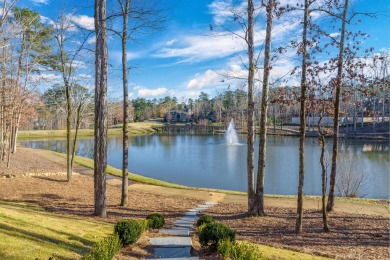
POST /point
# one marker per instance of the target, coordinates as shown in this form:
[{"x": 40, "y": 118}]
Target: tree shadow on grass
[{"x": 42, "y": 239}]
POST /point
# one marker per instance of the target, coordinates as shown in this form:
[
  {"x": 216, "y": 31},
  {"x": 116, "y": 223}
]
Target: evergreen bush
[
  {"x": 156, "y": 220},
  {"x": 128, "y": 230},
  {"x": 213, "y": 232},
  {"x": 205, "y": 219}
]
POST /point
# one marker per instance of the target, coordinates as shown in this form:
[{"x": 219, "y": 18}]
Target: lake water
[{"x": 207, "y": 161}]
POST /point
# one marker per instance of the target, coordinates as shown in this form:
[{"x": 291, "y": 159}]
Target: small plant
[
  {"x": 213, "y": 232},
  {"x": 128, "y": 230},
  {"x": 246, "y": 251},
  {"x": 225, "y": 247},
  {"x": 156, "y": 220},
  {"x": 144, "y": 223},
  {"x": 239, "y": 250},
  {"x": 105, "y": 249},
  {"x": 204, "y": 220}
]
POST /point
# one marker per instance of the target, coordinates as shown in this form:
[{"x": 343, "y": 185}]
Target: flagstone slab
[
  {"x": 194, "y": 210},
  {"x": 172, "y": 252},
  {"x": 189, "y": 219},
  {"x": 181, "y": 223},
  {"x": 191, "y": 213},
  {"x": 171, "y": 242},
  {"x": 175, "y": 231}
]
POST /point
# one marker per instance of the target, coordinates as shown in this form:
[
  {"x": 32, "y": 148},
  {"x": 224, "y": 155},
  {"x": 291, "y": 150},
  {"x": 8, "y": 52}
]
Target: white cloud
[
  {"x": 83, "y": 21},
  {"x": 334, "y": 35},
  {"x": 169, "y": 43},
  {"x": 91, "y": 40},
  {"x": 40, "y": 2},
  {"x": 117, "y": 55},
  {"x": 146, "y": 92},
  {"x": 210, "y": 77},
  {"x": 220, "y": 9}
]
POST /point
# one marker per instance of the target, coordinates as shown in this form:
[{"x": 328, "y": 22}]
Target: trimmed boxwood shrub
[
  {"x": 105, "y": 249},
  {"x": 213, "y": 232},
  {"x": 205, "y": 219},
  {"x": 156, "y": 220},
  {"x": 128, "y": 230}
]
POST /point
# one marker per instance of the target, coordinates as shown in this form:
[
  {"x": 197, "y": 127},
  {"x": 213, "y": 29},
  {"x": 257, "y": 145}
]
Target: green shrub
[
  {"x": 246, "y": 251},
  {"x": 213, "y": 232},
  {"x": 144, "y": 223},
  {"x": 204, "y": 220},
  {"x": 105, "y": 249},
  {"x": 128, "y": 230},
  {"x": 224, "y": 247},
  {"x": 156, "y": 220},
  {"x": 239, "y": 250}
]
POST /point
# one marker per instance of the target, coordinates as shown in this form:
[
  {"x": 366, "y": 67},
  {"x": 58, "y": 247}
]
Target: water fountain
[{"x": 231, "y": 134}]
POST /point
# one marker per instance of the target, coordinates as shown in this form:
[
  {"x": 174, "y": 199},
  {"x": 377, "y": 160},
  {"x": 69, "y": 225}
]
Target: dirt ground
[{"x": 353, "y": 235}]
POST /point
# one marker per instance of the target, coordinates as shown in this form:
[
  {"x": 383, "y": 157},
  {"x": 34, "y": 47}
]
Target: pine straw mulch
[{"x": 352, "y": 236}]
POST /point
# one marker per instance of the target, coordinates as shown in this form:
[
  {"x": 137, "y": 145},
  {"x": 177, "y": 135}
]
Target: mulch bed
[{"x": 351, "y": 236}]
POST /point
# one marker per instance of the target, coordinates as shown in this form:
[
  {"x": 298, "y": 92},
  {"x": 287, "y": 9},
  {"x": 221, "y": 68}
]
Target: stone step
[
  {"x": 172, "y": 252},
  {"x": 171, "y": 242},
  {"x": 194, "y": 210},
  {"x": 211, "y": 203},
  {"x": 176, "y": 231},
  {"x": 182, "y": 223},
  {"x": 189, "y": 219},
  {"x": 191, "y": 213}
]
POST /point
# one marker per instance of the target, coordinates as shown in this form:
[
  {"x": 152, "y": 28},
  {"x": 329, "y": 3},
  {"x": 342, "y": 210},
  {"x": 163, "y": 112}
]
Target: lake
[{"x": 207, "y": 161}]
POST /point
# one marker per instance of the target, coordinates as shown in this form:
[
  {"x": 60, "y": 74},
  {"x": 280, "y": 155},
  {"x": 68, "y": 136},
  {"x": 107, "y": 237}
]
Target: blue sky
[{"x": 185, "y": 57}]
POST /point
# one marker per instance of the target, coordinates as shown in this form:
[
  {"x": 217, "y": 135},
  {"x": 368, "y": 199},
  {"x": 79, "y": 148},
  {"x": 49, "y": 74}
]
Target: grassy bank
[
  {"x": 134, "y": 129},
  {"x": 28, "y": 232},
  {"x": 86, "y": 162}
]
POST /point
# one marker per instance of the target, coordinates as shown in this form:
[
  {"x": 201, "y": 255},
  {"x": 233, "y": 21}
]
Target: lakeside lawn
[
  {"x": 138, "y": 128},
  {"x": 27, "y": 231}
]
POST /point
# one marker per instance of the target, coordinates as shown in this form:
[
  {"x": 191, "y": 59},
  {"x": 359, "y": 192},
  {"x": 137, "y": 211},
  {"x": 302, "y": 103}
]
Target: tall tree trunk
[
  {"x": 259, "y": 207},
  {"x": 15, "y": 132},
  {"x": 68, "y": 128},
  {"x": 101, "y": 123},
  {"x": 325, "y": 226},
  {"x": 339, "y": 82},
  {"x": 302, "y": 115},
  {"x": 78, "y": 121},
  {"x": 125, "y": 174},
  {"x": 251, "y": 106}
]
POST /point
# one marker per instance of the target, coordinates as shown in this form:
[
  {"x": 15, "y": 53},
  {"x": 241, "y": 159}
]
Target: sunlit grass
[
  {"x": 283, "y": 254},
  {"x": 28, "y": 232},
  {"x": 134, "y": 129}
]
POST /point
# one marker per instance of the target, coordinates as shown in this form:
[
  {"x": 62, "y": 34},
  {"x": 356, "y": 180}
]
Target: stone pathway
[{"x": 177, "y": 244}]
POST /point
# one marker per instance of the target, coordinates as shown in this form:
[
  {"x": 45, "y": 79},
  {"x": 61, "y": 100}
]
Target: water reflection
[{"x": 206, "y": 161}]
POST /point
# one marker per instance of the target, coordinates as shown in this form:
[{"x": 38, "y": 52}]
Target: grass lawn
[
  {"x": 28, "y": 232},
  {"x": 134, "y": 129}
]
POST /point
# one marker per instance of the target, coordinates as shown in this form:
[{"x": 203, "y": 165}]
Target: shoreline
[{"x": 87, "y": 163}]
